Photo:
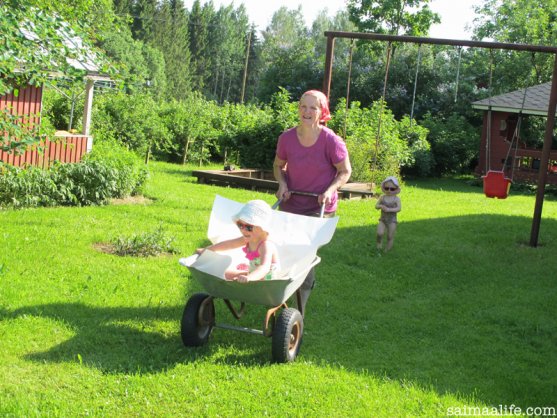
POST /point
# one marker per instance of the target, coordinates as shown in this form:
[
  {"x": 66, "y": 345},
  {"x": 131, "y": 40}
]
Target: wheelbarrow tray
[
  {"x": 269, "y": 293},
  {"x": 296, "y": 237}
]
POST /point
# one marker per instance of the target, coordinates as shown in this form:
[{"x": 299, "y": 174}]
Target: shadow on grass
[
  {"x": 127, "y": 340},
  {"x": 471, "y": 312}
]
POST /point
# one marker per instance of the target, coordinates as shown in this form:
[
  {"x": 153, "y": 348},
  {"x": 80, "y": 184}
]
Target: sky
[{"x": 455, "y": 14}]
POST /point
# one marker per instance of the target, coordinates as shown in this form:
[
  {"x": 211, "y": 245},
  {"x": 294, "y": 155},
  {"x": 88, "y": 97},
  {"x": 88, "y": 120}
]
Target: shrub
[
  {"x": 455, "y": 143},
  {"x": 256, "y": 141},
  {"x": 28, "y": 188},
  {"x": 109, "y": 172},
  {"x": 144, "y": 245},
  {"x": 132, "y": 120},
  {"x": 190, "y": 124},
  {"x": 131, "y": 173}
]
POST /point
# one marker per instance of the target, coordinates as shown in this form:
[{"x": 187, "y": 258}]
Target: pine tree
[
  {"x": 170, "y": 36},
  {"x": 199, "y": 21}
]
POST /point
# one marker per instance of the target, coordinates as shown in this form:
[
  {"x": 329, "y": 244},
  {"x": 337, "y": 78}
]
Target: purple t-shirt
[{"x": 310, "y": 169}]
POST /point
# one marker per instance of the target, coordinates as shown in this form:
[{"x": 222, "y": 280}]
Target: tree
[
  {"x": 519, "y": 21},
  {"x": 34, "y": 43},
  {"x": 171, "y": 37},
  {"x": 228, "y": 40},
  {"x": 198, "y": 23},
  {"x": 395, "y": 17},
  {"x": 288, "y": 53}
]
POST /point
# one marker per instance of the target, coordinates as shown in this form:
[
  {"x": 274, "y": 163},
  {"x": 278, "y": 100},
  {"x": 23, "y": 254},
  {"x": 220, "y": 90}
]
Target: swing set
[{"x": 496, "y": 182}]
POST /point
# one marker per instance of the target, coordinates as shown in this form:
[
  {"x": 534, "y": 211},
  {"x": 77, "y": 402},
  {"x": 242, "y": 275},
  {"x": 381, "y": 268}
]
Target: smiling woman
[{"x": 311, "y": 160}]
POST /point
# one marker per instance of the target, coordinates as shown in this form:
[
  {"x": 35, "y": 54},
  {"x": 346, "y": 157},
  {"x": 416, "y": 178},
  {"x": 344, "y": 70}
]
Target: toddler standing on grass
[
  {"x": 389, "y": 204},
  {"x": 253, "y": 221}
]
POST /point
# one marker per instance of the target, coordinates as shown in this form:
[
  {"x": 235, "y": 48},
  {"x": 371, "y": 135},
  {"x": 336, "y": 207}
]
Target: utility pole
[{"x": 245, "y": 69}]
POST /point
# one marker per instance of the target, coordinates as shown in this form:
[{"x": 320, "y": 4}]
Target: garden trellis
[{"x": 550, "y": 122}]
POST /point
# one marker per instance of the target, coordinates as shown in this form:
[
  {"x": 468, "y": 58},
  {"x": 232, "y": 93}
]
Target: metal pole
[
  {"x": 328, "y": 64},
  {"x": 440, "y": 41},
  {"x": 542, "y": 177},
  {"x": 245, "y": 69}
]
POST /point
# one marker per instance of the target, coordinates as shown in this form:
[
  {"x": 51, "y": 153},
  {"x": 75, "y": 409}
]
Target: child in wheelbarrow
[{"x": 262, "y": 261}]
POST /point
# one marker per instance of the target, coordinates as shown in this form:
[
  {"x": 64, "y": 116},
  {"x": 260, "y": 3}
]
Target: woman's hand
[
  {"x": 325, "y": 198},
  {"x": 283, "y": 192}
]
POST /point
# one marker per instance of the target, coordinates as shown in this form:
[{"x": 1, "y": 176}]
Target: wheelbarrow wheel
[
  {"x": 198, "y": 320},
  {"x": 287, "y": 335}
]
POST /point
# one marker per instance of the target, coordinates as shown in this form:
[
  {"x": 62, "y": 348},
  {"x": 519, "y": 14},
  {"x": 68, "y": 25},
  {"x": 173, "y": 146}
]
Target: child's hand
[{"x": 242, "y": 278}]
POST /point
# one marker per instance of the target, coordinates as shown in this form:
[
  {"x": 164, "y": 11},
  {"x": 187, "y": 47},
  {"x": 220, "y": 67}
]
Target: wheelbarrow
[{"x": 297, "y": 239}]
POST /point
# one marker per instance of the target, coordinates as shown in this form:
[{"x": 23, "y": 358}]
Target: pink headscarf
[{"x": 325, "y": 113}]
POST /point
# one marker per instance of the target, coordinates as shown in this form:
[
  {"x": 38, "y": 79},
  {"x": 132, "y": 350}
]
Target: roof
[
  {"x": 83, "y": 57},
  {"x": 74, "y": 43},
  {"x": 536, "y": 101}
]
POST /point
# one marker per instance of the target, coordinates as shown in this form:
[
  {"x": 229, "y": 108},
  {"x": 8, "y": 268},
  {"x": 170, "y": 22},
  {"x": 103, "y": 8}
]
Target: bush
[
  {"x": 131, "y": 173},
  {"x": 109, "y": 172},
  {"x": 377, "y": 143},
  {"x": 132, "y": 120},
  {"x": 256, "y": 141},
  {"x": 144, "y": 245},
  {"x": 455, "y": 143}
]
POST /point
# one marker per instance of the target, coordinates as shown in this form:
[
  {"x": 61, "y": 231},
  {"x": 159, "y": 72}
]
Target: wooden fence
[{"x": 64, "y": 148}]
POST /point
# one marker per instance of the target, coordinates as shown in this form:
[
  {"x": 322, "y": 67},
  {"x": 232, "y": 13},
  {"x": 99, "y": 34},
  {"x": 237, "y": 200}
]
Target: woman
[{"x": 311, "y": 158}]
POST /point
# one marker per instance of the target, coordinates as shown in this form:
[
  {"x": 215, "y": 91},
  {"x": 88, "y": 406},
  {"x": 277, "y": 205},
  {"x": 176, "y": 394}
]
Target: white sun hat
[
  {"x": 255, "y": 212},
  {"x": 392, "y": 179}
]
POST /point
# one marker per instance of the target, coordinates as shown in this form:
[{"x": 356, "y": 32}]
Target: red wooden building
[
  {"x": 27, "y": 105},
  {"x": 502, "y": 146},
  {"x": 64, "y": 147}
]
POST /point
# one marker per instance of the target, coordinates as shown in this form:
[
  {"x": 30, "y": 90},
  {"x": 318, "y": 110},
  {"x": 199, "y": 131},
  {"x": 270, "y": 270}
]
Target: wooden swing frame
[{"x": 550, "y": 123}]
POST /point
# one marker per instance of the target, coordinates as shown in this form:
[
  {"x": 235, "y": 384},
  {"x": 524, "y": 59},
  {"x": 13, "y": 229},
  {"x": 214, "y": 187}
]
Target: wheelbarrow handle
[{"x": 322, "y": 210}]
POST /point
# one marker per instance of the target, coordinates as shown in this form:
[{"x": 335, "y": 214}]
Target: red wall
[{"x": 28, "y": 103}]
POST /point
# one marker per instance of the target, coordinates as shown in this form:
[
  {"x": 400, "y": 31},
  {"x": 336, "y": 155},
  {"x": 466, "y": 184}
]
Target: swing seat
[{"x": 496, "y": 184}]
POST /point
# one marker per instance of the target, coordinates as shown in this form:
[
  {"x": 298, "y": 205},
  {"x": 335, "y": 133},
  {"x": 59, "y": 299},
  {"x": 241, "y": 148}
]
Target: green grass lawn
[{"x": 462, "y": 312}]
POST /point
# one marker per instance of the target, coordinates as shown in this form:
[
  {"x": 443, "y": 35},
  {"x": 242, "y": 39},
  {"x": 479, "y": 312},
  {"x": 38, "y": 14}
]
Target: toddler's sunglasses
[
  {"x": 391, "y": 189},
  {"x": 247, "y": 227}
]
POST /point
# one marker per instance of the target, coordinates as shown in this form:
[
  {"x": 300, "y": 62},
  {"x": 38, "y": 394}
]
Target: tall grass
[{"x": 460, "y": 313}]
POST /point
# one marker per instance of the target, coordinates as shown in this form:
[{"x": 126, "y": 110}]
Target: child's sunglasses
[
  {"x": 391, "y": 189},
  {"x": 247, "y": 227}
]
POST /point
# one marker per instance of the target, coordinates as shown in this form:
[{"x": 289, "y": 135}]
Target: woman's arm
[
  {"x": 344, "y": 171},
  {"x": 278, "y": 172}
]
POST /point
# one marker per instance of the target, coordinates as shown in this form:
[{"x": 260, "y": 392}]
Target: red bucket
[{"x": 496, "y": 184}]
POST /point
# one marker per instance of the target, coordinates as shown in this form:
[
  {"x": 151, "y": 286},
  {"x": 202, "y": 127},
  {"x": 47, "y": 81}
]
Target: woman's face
[{"x": 309, "y": 110}]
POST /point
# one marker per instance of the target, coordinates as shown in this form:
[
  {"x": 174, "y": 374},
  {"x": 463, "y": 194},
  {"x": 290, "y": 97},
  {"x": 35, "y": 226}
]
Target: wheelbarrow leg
[{"x": 302, "y": 295}]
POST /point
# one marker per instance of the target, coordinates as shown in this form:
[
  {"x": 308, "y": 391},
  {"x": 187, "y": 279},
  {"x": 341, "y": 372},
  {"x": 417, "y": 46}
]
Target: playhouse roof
[
  {"x": 536, "y": 101},
  {"x": 85, "y": 59}
]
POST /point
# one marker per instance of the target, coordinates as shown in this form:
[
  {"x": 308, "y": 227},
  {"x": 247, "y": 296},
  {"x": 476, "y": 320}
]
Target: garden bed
[{"x": 263, "y": 180}]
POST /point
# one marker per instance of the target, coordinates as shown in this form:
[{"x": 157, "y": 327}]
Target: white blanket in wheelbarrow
[{"x": 297, "y": 239}]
